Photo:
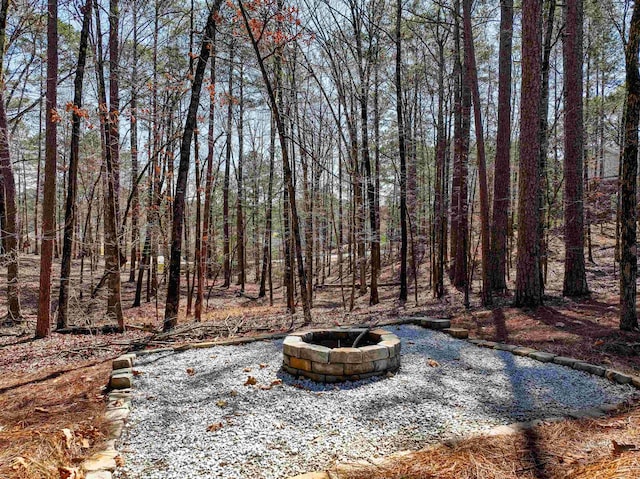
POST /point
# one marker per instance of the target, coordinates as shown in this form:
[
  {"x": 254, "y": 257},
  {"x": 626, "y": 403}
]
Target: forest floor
[{"x": 52, "y": 390}]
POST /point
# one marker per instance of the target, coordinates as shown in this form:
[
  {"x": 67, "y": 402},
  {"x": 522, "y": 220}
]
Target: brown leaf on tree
[
  {"x": 251, "y": 381},
  {"x": 214, "y": 427}
]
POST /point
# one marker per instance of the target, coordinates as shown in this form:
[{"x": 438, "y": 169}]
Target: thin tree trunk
[
  {"x": 472, "y": 71},
  {"x": 135, "y": 197},
  {"x": 288, "y": 177},
  {"x": 502, "y": 170},
  {"x": 402, "y": 154},
  {"x": 7, "y": 183},
  {"x": 43, "y": 326},
  {"x": 70, "y": 216},
  {"x": 173, "y": 287},
  {"x": 240, "y": 196},
  {"x": 225, "y": 188},
  {"x": 266, "y": 252}
]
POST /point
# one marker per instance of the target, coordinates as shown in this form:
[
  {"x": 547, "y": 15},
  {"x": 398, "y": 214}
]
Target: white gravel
[{"x": 301, "y": 426}]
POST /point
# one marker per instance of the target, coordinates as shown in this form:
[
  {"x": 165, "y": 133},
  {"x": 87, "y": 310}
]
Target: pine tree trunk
[
  {"x": 528, "y": 279},
  {"x": 43, "y": 326},
  {"x": 470, "y": 61},
  {"x": 502, "y": 170},
  {"x": 135, "y": 196},
  {"x": 402, "y": 154},
  {"x": 7, "y": 183},
  {"x": 575, "y": 279},
  {"x": 628, "y": 180}
]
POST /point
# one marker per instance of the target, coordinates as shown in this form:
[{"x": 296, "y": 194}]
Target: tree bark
[
  {"x": 470, "y": 61},
  {"x": 628, "y": 180},
  {"x": 403, "y": 155},
  {"x": 502, "y": 169},
  {"x": 70, "y": 216},
  {"x": 225, "y": 187},
  {"x": 288, "y": 177},
  {"x": 43, "y": 326},
  {"x": 575, "y": 278},
  {"x": 173, "y": 287},
  {"x": 528, "y": 279},
  {"x": 135, "y": 196},
  {"x": 8, "y": 185}
]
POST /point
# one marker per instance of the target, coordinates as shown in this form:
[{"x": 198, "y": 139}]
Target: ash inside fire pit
[{"x": 336, "y": 355}]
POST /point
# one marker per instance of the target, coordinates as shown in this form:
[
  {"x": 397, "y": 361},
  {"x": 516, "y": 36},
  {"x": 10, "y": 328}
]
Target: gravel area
[{"x": 193, "y": 416}]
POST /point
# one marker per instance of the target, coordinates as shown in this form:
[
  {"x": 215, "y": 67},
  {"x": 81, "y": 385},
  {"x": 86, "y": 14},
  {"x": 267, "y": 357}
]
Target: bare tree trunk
[
  {"x": 173, "y": 287},
  {"x": 7, "y": 184},
  {"x": 240, "y": 197},
  {"x": 528, "y": 279},
  {"x": 112, "y": 210},
  {"x": 575, "y": 278},
  {"x": 43, "y": 326},
  {"x": 628, "y": 180},
  {"x": 288, "y": 177},
  {"x": 472, "y": 71},
  {"x": 72, "y": 186},
  {"x": 402, "y": 154},
  {"x": 502, "y": 170},
  {"x": 266, "y": 252},
  {"x": 135, "y": 197},
  {"x": 225, "y": 188}
]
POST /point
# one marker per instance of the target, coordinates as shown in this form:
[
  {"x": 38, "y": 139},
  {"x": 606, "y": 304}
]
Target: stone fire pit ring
[{"x": 327, "y": 355}]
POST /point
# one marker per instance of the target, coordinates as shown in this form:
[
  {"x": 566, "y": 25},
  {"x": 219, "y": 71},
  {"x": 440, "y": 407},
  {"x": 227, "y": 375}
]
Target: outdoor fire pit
[{"x": 329, "y": 355}]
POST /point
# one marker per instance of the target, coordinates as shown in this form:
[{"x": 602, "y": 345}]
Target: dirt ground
[{"x": 52, "y": 390}]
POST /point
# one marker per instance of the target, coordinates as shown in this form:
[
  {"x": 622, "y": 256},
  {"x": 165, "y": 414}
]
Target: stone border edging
[
  {"x": 100, "y": 465},
  {"x": 444, "y": 325}
]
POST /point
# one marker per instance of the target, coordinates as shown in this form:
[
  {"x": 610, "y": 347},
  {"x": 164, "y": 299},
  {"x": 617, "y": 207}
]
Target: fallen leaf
[
  {"x": 250, "y": 381},
  {"x": 68, "y": 473},
  {"x": 276, "y": 382},
  {"x": 221, "y": 403},
  {"x": 85, "y": 444},
  {"x": 119, "y": 460},
  {"x": 433, "y": 363},
  {"x": 233, "y": 393},
  {"x": 191, "y": 371},
  {"x": 214, "y": 427},
  {"x": 599, "y": 342},
  {"x": 17, "y": 462},
  {"x": 264, "y": 387},
  {"x": 137, "y": 373},
  {"x": 620, "y": 448},
  {"x": 246, "y": 370},
  {"x": 68, "y": 437},
  {"x": 262, "y": 365},
  {"x": 41, "y": 409}
]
